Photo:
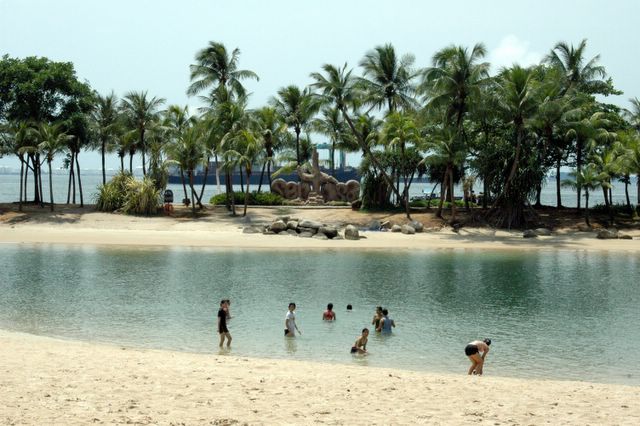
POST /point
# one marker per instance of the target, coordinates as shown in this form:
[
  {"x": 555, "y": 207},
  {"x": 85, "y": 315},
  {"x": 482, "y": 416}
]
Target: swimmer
[
  {"x": 386, "y": 323},
  {"x": 329, "y": 315},
  {"x": 360, "y": 345},
  {"x": 377, "y": 316},
  {"x": 290, "y": 326},
  {"x": 472, "y": 351}
]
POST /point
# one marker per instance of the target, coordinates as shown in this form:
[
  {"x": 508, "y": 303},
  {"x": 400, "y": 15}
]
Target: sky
[{"x": 125, "y": 45}]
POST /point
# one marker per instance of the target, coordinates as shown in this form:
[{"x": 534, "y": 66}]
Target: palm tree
[
  {"x": 188, "y": 153},
  {"x": 633, "y": 115},
  {"x": 52, "y": 141},
  {"x": 297, "y": 108},
  {"x": 105, "y": 120},
  {"x": 589, "y": 179},
  {"x": 578, "y": 74},
  {"x": 332, "y": 126},
  {"x": 338, "y": 87},
  {"x": 268, "y": 123},
  {"x": 215, "y": 67},
  {"x": 388, "y": 80},
  {"x": 245, "y": 147},
  {"x": 141, "y": 113}
]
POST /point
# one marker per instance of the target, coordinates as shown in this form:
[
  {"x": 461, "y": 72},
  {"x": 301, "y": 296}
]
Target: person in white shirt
[{"x": 290, "y": 326}]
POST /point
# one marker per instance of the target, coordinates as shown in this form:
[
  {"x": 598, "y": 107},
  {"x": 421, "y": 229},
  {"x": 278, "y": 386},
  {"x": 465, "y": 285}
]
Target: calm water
[
  {"x": 554, "y": 314},
  {"x": 10, "y": 187}
]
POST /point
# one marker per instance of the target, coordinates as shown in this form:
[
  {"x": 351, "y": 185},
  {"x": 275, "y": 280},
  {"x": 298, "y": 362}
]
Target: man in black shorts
[
  {"x": 472, "y": 351},
  {"x": 222, "y": 323}
]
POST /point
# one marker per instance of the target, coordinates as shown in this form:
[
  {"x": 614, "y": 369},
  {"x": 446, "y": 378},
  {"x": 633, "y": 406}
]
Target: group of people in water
[{"x": 476, "y": 350}]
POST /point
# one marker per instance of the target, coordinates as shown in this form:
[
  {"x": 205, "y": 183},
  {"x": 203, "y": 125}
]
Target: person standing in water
[
  {"x": 290, "y": 326},
  {"x": 329, "y": 315},
  {"x": 222, "y": 324},
  {"x": 386, "y": 323},
  {"x": 472, "y": 351},
  {"x": 360, "y": 346},
  {"x": 377, "y": 316}
]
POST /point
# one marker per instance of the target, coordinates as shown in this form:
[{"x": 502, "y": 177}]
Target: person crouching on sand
[
  {"x": 329, "y": 315},
  {"x": 222, "y": 324},
  {"x": 472, "y": 351},
  {"x": 360, "y": 346},
  {"x": 290, "y": 326}
]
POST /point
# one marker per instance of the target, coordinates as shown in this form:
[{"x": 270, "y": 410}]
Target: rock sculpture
[{"x": 316, "y": 187}]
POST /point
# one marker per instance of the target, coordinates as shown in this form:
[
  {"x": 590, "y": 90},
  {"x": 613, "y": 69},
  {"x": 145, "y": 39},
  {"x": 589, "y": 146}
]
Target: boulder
[
  {"x": 292, "y": 224},
  {"x": 418, "y": 226},
  {"x": 529, "y": 233},
  {"x": 292, "y": 232},
  {"x": 285, "y": 219},
  {"x": 607, "y": 234},
  {"x": 385, "y": 225},
  {"x": 304, "y": 223},
  {"x": 374, "y": 225},
  {"x": 396, "y": 228},
  {"x": 351, "y": 233},
  {"x": 624, "y": 237},
  {"x": 407, "y": 229},
  {"x": 278, "y": 226},
  {"x": 338, "y": 237},
  {"x": 328, "y": 231},
  {"x": 312, "y": 231},
  {"x": 543, "y": 232},
  {"x": 320, "y": 236},
  {"x": 305, "y": 235}
]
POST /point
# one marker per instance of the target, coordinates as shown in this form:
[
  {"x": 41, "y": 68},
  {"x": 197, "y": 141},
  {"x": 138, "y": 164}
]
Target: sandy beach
[
  {"x": 219, "y": 230},
  {"x": 50, "y": 381}
]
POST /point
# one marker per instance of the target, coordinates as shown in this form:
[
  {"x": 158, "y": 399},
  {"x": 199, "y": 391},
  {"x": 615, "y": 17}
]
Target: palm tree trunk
[
  {"x": 586, "y": 207},
  {"x": 204, "y": 182},
  {"x": 558, "y": 185},
  {"x": 297, "y": 145},
  {"x": 79, "y": 181},
  {"x": 333, "y": 158},
  {"x": 21, "y": 173},
  {"x": 50, "y": 185},
  {"x": 627, "y": 179},
  {"x": 264, "y": 165},
  {"x": 578, "y": 170},
  {"x": 453, "y": 202},
  {"x": 144, "y": 166},
  {"x": 131, "y": 162},
  {"x": 241, "y": 179},
  {"x": 246, "y": 194},
  {"x": 193, "y": 192},
  {"x": 538, "y": 194},
  {"x": 69, "y": 183},
  {"x": 40, "y": 182},
  {"x": 36, "y": 181},
  {"x": 26, "y": 177},
  {"x": 514, "y": 168},
  {"x": 219, "y": 190},
  {"x": 184, "y": 186},
  {"x": 269, "y": 177},
  {"x": 443, "y": 187},
  {"x": 228, "y": 189},
  {"x": 104, "y": 173}
]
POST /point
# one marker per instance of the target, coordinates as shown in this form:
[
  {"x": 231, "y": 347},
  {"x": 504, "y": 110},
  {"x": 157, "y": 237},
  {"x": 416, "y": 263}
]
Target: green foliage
[
  {"x": 255, "y": 198},
  {"x": 141, "y": 197},
  {"x": 111, "y": 196},
  {"x": 435, "y": 202},
  {"x": 124, "y": 192}
]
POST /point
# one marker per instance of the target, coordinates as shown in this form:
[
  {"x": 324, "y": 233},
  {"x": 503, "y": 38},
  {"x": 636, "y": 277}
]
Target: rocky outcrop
[
  {"x": 607, "y": 234},
  {"x": 351, "y": 233},
  {"x": 407, "y": 229},
  {"x": 396, "y": 228},
  {"x": 529, "y": 233},
  {"x": 278, "y": 226},
  {"x": 418, "y": 226}
]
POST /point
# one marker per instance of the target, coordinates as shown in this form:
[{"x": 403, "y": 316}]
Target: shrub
[
  {"x": 255, "y": 198},
  {"x": 111, "y": 195},
  {"x": 141, "y": 197},
  {"x": 435, "y": 202}
]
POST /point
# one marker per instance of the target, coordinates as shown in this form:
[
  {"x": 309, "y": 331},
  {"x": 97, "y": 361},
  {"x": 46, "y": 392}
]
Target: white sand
[{"x": 49, "y": 381}]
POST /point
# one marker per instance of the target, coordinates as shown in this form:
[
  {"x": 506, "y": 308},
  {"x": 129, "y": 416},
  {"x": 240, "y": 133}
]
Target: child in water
[
  {"x": 360, "y": 345},
  {"x": 329, "y": 315},
  {"x": 472, "y": 351}
]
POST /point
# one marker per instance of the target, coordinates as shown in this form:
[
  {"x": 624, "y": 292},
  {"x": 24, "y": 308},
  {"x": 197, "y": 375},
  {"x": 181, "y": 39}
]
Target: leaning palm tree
[
  {"x": 104, "y": 119},
  {"x": 267, "y": 122},
  {"x": 297, "y": 108},
  {"x": 245, "y": 147},
  {"x": 188, "y": 153},
  {"x": 52, "y": 141},
  {"x": 388, "y": 80},
  {"x": 141, "y": 113},
  {"x": 337, "y": 86}
]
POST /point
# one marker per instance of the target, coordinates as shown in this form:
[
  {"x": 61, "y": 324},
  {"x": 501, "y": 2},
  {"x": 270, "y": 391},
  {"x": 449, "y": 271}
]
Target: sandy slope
[{"x": 48, "y": 381}]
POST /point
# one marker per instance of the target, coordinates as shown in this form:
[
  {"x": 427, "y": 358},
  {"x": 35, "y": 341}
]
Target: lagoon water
[{"x": 551, "y": 314}]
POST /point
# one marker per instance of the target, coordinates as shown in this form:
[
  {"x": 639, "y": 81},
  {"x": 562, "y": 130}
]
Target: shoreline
[
  {"x": 218, "y": 230},
  {"x": 49, "y": 380}
]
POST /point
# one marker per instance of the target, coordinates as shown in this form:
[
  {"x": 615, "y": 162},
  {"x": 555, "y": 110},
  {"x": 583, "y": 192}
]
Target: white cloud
[{"x": 512, "y": 50}]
